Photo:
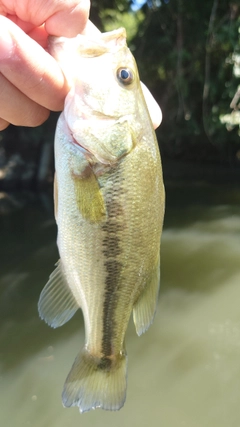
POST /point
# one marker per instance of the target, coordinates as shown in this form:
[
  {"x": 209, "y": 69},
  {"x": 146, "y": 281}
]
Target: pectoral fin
[
  {"x": 89, "y": 197},
  {"x": 145, "y": 307},
  {"x": 57, "y": 304}
]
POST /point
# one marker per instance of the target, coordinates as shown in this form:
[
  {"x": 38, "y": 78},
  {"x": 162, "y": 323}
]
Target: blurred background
[{"x": 185, "y": 370}]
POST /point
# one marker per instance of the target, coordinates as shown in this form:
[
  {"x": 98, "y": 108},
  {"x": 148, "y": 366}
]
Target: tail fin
[{"x": 96, "y": 383}]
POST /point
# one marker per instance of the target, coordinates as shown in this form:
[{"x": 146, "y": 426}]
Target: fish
[{"x": 109, "y": 204}]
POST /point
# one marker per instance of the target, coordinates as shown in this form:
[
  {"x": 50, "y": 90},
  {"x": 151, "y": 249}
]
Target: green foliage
[
  {"x": 184, "y": 51},
  {"x": 113, "y": 19}
]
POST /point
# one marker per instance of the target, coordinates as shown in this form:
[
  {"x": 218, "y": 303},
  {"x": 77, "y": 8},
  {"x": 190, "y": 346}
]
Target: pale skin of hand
[{"x": 31, "y": 82}]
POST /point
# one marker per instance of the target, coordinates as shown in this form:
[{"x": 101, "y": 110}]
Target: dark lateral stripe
[
  {"x": 105, "y": 364},
  {"x": 111, "y": 250},
  {"x": 111, "y": 247}
]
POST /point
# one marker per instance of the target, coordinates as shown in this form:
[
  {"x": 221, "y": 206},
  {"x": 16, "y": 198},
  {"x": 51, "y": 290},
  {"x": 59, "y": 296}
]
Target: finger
[
  {"x": 17, "y": 109},
  {"x": 39, "y": 34},
  {"x": 62, "y": 18},
  {"x": 28, "y": 67},
  {"x": 3, "y": 124},
  {"x": 74, "y": 13},
  {"x": 153, "y": 107}
]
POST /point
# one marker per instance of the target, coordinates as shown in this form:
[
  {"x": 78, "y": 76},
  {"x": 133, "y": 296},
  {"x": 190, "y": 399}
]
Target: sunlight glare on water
[{"x": 184, "y": 372}]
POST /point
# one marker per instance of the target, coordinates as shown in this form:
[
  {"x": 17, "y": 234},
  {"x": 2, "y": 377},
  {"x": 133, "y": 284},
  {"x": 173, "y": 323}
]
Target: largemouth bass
[{"x": 109, "y": 208}]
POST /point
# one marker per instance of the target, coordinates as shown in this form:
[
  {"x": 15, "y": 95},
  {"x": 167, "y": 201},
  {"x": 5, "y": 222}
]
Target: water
[{"x": 184, "y": 372}]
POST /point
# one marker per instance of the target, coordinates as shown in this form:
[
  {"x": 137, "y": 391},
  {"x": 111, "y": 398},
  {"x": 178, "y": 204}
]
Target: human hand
[{"x": 31, "y": 81}]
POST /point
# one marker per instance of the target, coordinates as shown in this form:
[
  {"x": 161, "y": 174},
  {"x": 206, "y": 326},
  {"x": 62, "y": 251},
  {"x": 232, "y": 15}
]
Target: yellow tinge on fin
[
  {"x": 89, "y": 385},
  {"x": 89, "y": 197}
]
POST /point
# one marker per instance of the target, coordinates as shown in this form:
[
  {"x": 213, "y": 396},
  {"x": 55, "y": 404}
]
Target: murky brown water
[{"x": 184, "y": 372}]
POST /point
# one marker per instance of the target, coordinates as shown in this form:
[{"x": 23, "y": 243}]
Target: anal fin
[
  {"x": 57, "y": 304},
  {"x": 145, "y": 307}
]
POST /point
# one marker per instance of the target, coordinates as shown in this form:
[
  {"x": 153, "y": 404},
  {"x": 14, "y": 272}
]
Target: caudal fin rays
[{"x": 92, "y": 385}]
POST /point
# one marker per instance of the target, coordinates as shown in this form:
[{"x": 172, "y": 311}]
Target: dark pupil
[{"x": 124, "y": 74}]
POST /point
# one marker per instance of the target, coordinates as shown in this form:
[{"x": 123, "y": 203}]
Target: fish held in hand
[{"x": 109, "y": 208}]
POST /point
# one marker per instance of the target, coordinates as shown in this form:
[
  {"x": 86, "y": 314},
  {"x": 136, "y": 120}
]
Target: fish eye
[{"x": 125, "y": 75}]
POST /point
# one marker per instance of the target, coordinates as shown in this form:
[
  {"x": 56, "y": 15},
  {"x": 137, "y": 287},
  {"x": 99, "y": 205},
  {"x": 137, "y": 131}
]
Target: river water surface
[{"x": 184, "y": 372}]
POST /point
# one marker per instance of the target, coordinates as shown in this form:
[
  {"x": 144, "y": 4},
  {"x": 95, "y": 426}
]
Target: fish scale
[{"x": 109, "y": 207}]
